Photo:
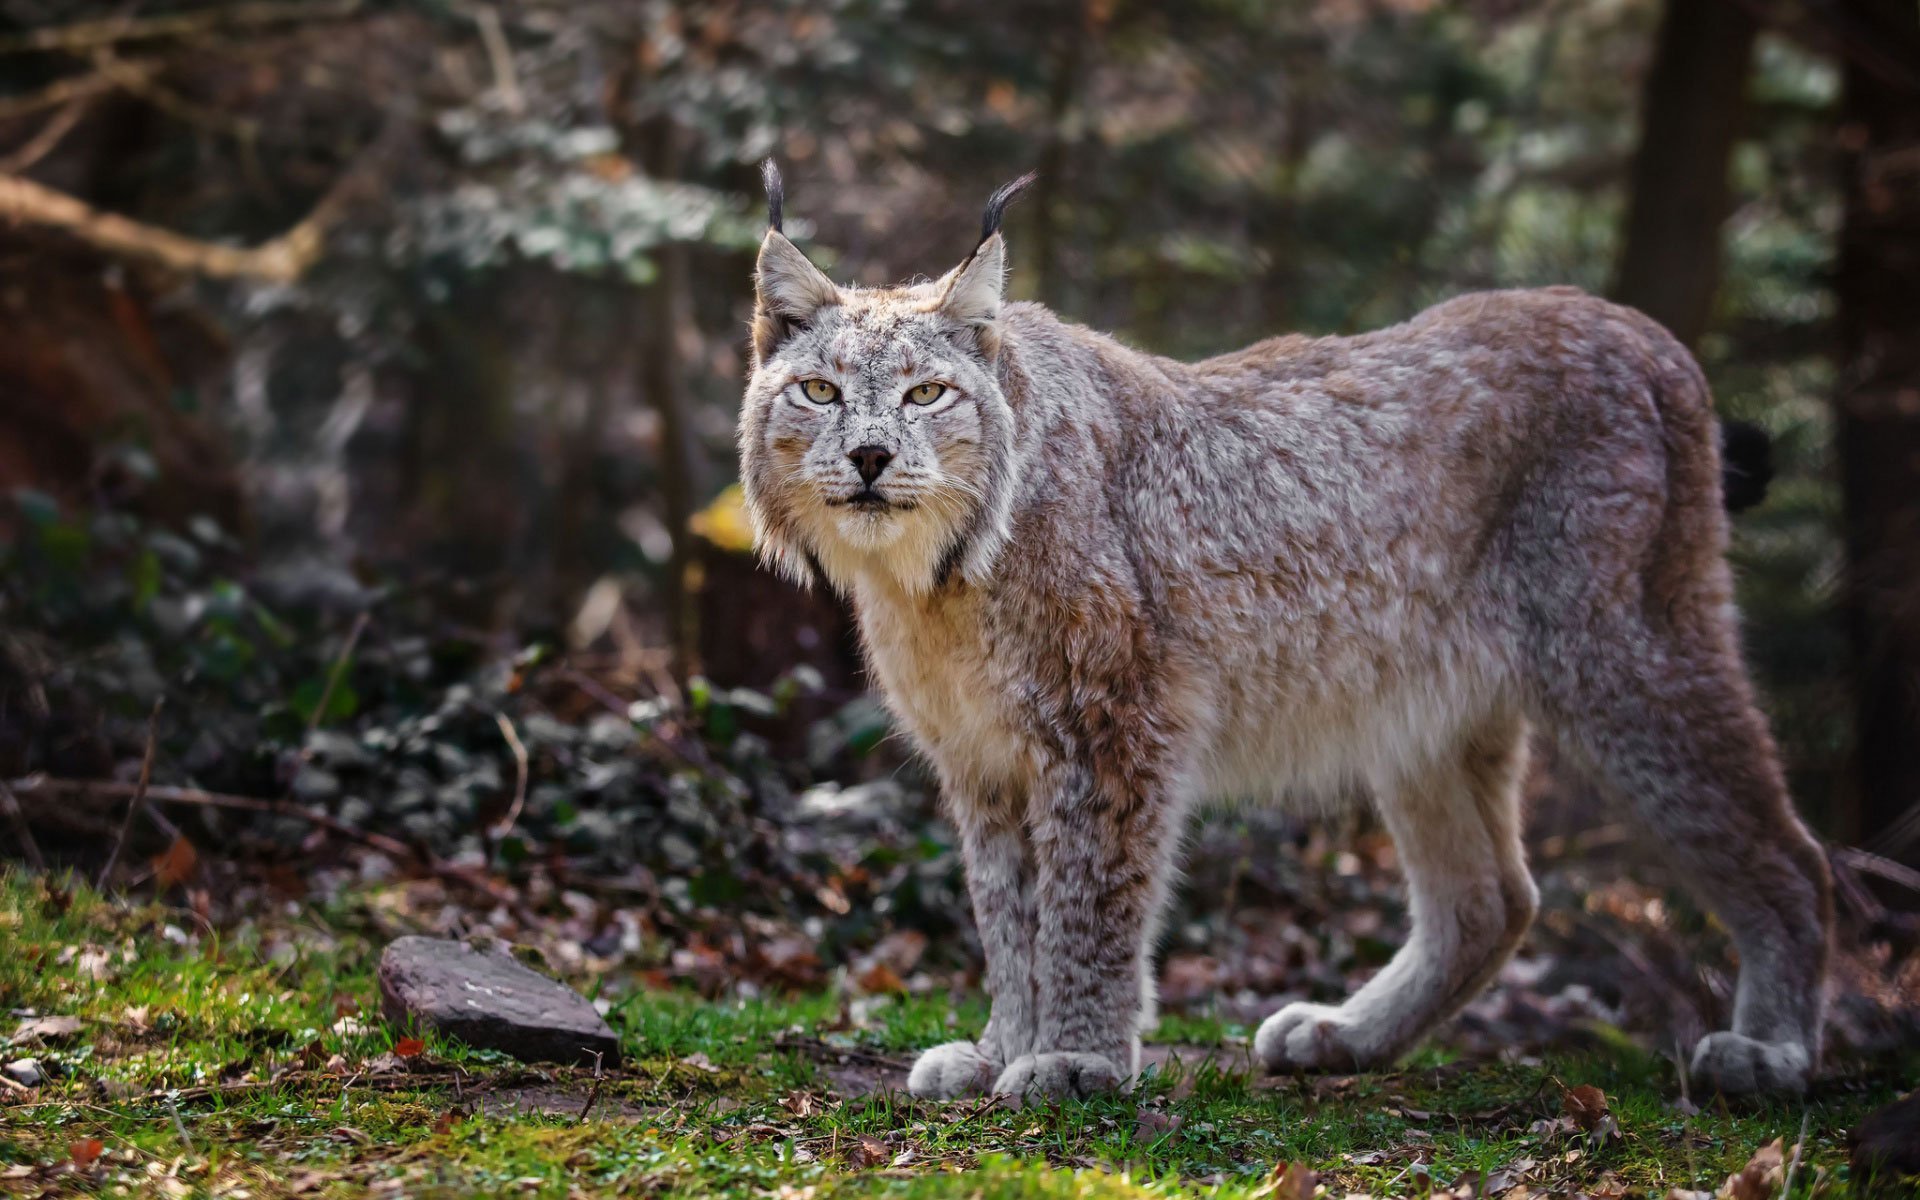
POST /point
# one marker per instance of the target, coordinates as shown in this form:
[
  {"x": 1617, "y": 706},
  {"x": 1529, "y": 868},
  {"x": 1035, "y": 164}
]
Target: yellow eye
[
  {"x": 819, "y": 391},
  {"x": 926, "y": 393}
]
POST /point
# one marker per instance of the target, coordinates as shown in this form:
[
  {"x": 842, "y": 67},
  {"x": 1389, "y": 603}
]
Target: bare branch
[
  {"x": 41, "y": 144},
  {"x": 282, "y": 260},
  {"x": 500, "y": 57},
  {"x": 74, "y": 87},
  {"x": 85, "y": 35}
]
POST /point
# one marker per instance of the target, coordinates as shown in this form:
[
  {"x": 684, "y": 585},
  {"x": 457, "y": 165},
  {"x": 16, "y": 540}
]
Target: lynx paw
[
  {"x": 949, "y": 1070},
  {"x": 1061, "y": 1075},
  {"x": 1311, "y": 1037},
  {"x": 1737, "y": 1064}
]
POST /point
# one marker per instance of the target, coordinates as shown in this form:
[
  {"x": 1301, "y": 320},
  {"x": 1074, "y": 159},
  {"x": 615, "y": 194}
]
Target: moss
[{"x": 203, "y": 1067}]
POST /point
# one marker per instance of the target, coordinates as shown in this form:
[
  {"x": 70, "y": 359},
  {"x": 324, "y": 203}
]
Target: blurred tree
[
  {"x": 1878, "y": 402},
  {"x": 1691, "y": 110}
]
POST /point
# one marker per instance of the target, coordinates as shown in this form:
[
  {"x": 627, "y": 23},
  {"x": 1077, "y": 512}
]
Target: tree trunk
[
  {"x": 1690, "y": 114},
  {"x": 1878, "y": 411},
  {"x": 667, "y": 309}
]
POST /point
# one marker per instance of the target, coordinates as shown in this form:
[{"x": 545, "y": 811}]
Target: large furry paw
[
  {"x": 1737, "y": 1064},
  {"x": 1312, "y": 1037},
  {"x": 950, "y": 1070},
  {"x": 1060, "y": 1075}
]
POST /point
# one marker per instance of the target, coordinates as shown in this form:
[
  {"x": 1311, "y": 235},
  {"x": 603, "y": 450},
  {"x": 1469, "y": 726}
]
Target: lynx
[{"x": 1098, "y": 587}]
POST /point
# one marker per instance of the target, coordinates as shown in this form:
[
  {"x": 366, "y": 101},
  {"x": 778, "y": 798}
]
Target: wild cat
[{"x": 1098, "y": 586}]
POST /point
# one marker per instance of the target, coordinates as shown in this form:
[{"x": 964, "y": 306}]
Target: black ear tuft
[
  {"x": 997, "y": 203},
  {"x": 776, "y": 193}
]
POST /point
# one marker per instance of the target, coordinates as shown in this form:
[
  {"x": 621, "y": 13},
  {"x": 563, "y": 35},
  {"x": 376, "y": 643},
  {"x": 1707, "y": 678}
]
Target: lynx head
[{"x": 874, "y": 437}]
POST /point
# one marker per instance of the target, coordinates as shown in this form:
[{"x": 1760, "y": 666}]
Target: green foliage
[{"x": 229, "y": 1058}]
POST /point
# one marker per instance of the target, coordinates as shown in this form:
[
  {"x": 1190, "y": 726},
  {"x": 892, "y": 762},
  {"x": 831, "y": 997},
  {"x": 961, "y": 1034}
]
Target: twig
[
  {"x": 138, "y": 796},
  {"x": 41, "y": 144},
  {"x": 73, "y": 87},
  {"x": 816, "y": 1048},
  {"x": 21, "y": 830},
  {"x": 333, "y": 681},
  {"x": 282, "y": 260},
  {"x": 1793, "y": 1166},
  {"x": 593, "y": 1093},
  {"x": 505, "y": 825},
  {"x": 391, "y": 847},
  {"x": 131, "y": 77},
  {"x": 500, "y": 58},
  {"x": 84, "y": 35}
]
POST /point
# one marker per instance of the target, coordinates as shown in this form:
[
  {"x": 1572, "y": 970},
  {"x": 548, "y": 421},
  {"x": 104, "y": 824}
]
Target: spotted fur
[{"x": 1098, "y": 586}]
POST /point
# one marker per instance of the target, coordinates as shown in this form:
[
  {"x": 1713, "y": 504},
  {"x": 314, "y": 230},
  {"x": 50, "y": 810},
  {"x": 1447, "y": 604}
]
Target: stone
[
  {"x": 25, "y": 1071},
  {"x": 490, "y": 1001}
]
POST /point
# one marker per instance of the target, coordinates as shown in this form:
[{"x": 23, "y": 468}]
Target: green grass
[{"x": 202, "y": 1070}]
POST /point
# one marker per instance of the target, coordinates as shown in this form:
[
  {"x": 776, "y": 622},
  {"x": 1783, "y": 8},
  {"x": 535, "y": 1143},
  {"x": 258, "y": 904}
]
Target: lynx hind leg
[
  {"x": 1457, "y": 832},
  {"x": 1668, "y": 723}
]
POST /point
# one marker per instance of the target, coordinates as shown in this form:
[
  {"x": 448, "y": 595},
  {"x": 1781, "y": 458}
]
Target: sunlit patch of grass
[{"x": 208, "y": 1058}]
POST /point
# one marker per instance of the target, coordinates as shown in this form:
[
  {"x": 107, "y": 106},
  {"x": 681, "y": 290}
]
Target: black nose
[{"x": 871, "y": 460}]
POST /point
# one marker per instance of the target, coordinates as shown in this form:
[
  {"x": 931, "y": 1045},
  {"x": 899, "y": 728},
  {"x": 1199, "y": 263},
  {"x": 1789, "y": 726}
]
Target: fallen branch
[
  {"x": 85, "y": 35},
  {"x": 282, "y": 260},
  {"x": 391, "y": 847}
]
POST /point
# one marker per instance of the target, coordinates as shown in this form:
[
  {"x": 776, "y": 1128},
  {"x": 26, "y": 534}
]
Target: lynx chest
[{"x": 937, "y": 664}]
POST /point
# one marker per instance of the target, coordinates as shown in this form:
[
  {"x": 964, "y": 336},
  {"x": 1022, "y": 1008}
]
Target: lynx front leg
[
  {"x": 1000, "y": 885},
  {"x": 1458, "y": 835},
  {"x": 1101, "y": 855}
]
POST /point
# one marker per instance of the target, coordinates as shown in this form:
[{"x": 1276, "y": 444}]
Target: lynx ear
[
  {"x": 971, "y": 292},
  {"x": 788, "y": 290}
]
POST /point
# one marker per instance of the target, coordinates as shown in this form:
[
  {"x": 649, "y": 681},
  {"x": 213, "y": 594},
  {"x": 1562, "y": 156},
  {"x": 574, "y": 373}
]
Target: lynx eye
[
  {"x": 926, "y": 393},
  {"x": 819, "y": 391}
]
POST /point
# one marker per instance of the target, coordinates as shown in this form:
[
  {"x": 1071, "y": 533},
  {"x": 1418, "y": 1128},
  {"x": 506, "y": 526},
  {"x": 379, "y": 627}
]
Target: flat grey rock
[{"x": 491, "y": 1002}]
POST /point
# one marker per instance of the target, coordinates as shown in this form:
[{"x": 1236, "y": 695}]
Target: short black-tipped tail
[{"x": 1746, "y": 464}]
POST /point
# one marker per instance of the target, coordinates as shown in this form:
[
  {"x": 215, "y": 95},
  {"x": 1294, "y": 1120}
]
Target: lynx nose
[{"x": 871, "y": 460}]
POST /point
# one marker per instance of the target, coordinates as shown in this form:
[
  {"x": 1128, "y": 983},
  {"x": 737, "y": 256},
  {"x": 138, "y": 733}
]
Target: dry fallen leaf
[
  {"x": 1150, "y": 1124},
  {"x": 801, "y": 1104},
  {"x": 867, "y": 1151},
  {"x": 84, "y": 1151},
  {"x": 1761, "y": 1177},
  {"x": 409, "y": 1047},
  {"x": 881, "y": 979},
  {"x": 46, "y": 1029},
  {"x": 1289, "y": 1181},
  {"x": 175, "y": 864},
  {"x": 1586, "y": 1105}
]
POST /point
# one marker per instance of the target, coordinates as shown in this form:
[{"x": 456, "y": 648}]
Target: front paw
[
  {"x": 1737, "y": 1065},
  {"x": 1312, "y": 1037},
  {"x": 950, "y": 1070},
  {"x": 1059, "y": 1075}
]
